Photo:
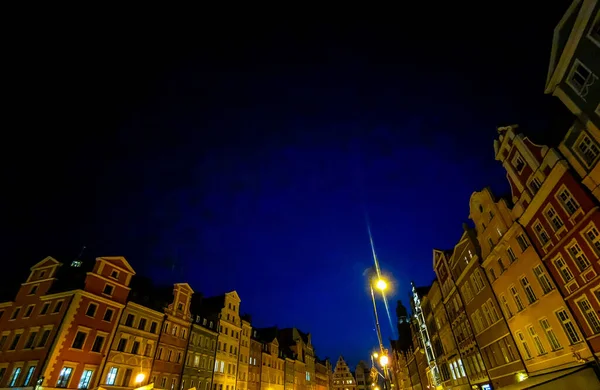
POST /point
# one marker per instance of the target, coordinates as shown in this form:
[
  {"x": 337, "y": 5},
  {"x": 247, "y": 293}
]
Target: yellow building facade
[
  {"x": 524, "y": 289},
  {"x": 230, "y": 328},
  {"x": 135, "y": 343},
  {"x": 244, "y": 352}
]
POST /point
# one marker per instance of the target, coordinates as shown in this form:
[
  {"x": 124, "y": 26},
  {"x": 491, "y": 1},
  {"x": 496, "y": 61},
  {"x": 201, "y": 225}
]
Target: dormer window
[
  {"x": 33, "y": 289},
  {"x": 535, "y": 184},
  {"x": 180, "y": 306},
  {"x": 76, "y": 263},
  {"x": 518, "y": 163},
  {"x": 114, "y": 274},
  {"x": 42, "y": 273}
]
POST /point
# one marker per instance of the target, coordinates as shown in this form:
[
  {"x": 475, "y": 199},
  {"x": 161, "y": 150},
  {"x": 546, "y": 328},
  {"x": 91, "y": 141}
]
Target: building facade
[
  {"x": 201, "y": 350},
  {"x": 523, "y": 287},
  {"x": 173, "y": 341},
  {"x": 323, "y": 374},
  {"x": 362, "y": 374},
  {"x": 342, "y": 376},
  {"x": 244, "y": 355},
  {"x": 131, "y": 354},
  {"x": 573, "y": 78},
  {"x": 561, "y": 219},
  {"x": 56, "y": 332},
  {"x": 254, "y": 361},
  {"x": 446, "y": 268}
]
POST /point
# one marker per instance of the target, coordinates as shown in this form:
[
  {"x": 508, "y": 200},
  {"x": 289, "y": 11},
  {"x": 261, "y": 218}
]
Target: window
[
  {"x": 57, "y": 307},
  {"x": 148, "y": 350},
  {"x": 86, "y": 377},
  {"x": 129, "y": 320},
  {"x": 522, "y": 241},
  {"x": 541, "y": 234},
  {"x": 45, "y": 308},
  {"x": 111, "y": 377},
  {"x": 587, "y": 149},
  {"x": 142, "y": 324},
  {"x": 163, "y": 382},
  {"x": 550, "y": 335},
  {"x": 98, "y": 343},
  {"x": 135, "y": 347},
  {"x": 580, "y": 79},
  {"x": 28, "y": 311},
  {"x": 568, "y": 326},
  {"x": 15, "y": 313},
  {"x": 33, "y": 290},
  {"x": 28, "y": 376},
  {"x": 535, "y": 184},
  {"x": 517, "y": 298},
  {"x": 114, "y": 274},
  {"x": 563, "y": 269},
  {"x": 127, "y": 377},
  {"x": 477, "y": 281},
  {"x": 490, "y": 242},
  {"x": 501, "y": 265},
  {"x": 44, "y": 338},
  {"x": 590, "y": 315},
  {"x": 511, "y": 255},
  {"x": 507, "y": 310},
  {"x": 108, "y": 289},
  {"x": 153, "y": 327},
  {"x": 12, "y": 382},
  {"x": 526, "y": 351},
  {"x": 108, "y": 314},
  {"x": 30, "y": 340},
  {"x": 79, "y": 340},
  {"x": 15, "y": 342},
  {"x": 580, "y": 258},
  {"x": 536, "y": 340},
  {"x": 91, "y": 310},
  {"x": 542, "y": 278},
  {"x": 518, "y": 163},
  {"x": 493, "y": 312},
  {"x": 528, "y": 290},
  {"x": 568, "y": 201},
  {"x": 122, "y": 344},
  {"x": 64, "y": 376},
  {"x": 593, "y": 237}
]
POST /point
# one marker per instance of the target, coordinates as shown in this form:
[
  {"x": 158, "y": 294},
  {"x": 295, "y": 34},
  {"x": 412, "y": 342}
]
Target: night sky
[{"x": 243, "y": 153}]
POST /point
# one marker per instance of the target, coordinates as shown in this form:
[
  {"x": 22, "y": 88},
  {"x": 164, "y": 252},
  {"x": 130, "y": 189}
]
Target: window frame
[{"x": 582, "y": 93}]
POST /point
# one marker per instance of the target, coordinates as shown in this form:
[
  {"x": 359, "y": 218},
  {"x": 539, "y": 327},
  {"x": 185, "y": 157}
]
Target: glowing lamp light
[
  {"x": 376, "y": 388},
  {"x": 139, "y": 378},
  {"x": 375, "y": 355},
  {"x": 521, "y": 377},
  {"x": 383, "y": 360},
  {"x": 381, "y": 284}
]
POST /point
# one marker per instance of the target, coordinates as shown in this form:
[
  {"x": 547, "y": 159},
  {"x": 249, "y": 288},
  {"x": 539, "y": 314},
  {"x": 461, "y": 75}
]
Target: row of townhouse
[
  {"x": 91, "y": 324},
  {"x": 515, "y": 303}
]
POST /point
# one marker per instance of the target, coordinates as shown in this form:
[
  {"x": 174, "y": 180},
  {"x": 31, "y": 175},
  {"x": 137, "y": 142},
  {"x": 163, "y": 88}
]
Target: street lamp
[
  {"x": 383, "y": 360},
  {"x": 381, "y": 284},
  {"x": 139, "y": 378}
]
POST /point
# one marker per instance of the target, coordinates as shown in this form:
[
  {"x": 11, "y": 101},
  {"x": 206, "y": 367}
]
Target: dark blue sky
[{"x": 243, "y": 156}]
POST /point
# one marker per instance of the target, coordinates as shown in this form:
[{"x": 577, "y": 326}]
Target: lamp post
[{"x": 381, "y": 285}]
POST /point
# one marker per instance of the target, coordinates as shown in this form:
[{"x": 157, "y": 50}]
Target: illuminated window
[
  {"x": 590, "y": 315},
  {"x": 524, "y": 345},
  {"x": 536, "y": 341},
  {"x": 64, "y": 377},
  {"x": 542, "y": 278}
]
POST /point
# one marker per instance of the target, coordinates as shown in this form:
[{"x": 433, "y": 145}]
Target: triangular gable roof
[
  {"x": 48, "y": 261},
  {"x": 118, "y": 261},
  {"x": 235, "y": 295},
  {"x": 185, "y": 285}
]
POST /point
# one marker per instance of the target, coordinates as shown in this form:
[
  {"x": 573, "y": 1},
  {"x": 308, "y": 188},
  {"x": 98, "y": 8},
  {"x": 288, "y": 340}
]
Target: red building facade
[
  {"x": 563, "y": 222},
  {"x": 57, "y": 330}
]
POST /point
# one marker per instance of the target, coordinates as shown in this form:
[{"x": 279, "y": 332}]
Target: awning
[{"x": 582, "y": 377}]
